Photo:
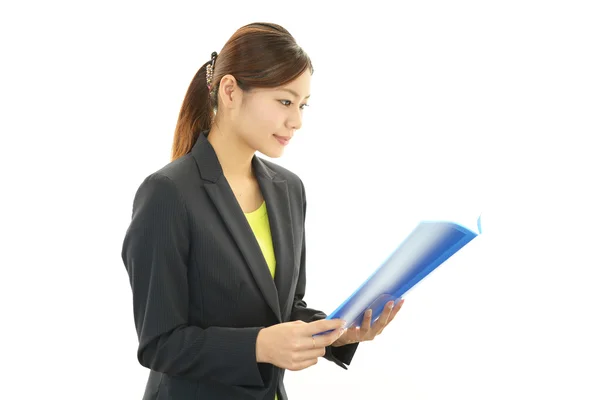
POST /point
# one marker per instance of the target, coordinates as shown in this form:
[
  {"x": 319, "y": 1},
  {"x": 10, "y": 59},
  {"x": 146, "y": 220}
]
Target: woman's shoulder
[
  {"x": 177, "y": 170},
  {"x": 171, "y": 177}
]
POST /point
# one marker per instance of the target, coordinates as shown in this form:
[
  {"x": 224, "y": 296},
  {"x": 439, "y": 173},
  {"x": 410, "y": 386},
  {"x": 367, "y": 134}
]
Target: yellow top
[{"x": 259, "y": 222}]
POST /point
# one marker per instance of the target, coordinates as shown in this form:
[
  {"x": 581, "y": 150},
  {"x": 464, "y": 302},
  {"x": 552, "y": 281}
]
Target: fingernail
[{"x": 369, "y": 312}]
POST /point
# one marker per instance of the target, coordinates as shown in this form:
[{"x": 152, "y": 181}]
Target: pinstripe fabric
[{"x": 201, "y": 287}]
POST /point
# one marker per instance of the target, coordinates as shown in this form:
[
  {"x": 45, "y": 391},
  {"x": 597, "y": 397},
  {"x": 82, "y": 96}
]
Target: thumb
[{"x": 324, "y": 325}]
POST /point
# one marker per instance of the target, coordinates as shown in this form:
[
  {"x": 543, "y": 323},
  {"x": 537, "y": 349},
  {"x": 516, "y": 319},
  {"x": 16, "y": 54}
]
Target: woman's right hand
[{"x": 290, "y": 345}]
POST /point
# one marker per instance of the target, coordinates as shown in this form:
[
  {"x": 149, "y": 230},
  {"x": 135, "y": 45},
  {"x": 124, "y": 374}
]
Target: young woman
[{"x": 215, "y": 251}]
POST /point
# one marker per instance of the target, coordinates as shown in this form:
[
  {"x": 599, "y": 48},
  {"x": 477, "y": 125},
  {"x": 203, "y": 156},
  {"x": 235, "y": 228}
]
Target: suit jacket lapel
[
  {"x": 276, "y": 196},
  {"x": 275, "y": 192}
]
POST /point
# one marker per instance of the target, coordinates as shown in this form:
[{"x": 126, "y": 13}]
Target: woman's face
[{"x": 267, "y": 119}]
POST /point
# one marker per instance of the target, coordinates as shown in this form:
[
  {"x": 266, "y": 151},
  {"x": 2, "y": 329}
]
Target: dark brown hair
[{"x": 258, "y": 55}]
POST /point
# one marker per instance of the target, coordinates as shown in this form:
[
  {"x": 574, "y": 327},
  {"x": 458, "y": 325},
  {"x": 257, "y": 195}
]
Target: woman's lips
[{"x": 283, "y": 140}]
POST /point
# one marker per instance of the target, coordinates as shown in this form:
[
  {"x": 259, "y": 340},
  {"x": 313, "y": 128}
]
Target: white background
[{"x": 419, "y": 110}]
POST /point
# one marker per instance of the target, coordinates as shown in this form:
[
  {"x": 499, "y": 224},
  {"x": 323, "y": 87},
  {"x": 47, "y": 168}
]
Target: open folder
[{"x": 422, "y": 251}]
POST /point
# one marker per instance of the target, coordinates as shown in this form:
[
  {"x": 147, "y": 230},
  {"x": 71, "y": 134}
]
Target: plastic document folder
[{"x": 424, "y": 249}]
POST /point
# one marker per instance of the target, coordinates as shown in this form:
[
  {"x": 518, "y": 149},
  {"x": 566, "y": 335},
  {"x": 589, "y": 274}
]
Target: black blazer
[{"x": 201, "y": 287}]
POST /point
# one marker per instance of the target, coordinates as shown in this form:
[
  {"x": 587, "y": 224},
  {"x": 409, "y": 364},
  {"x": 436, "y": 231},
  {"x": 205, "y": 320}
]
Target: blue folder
[{"x": 424, "y": 249}]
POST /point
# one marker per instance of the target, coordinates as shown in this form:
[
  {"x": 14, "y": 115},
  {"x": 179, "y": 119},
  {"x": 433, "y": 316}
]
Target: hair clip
[{"x": 210, "y": 69}]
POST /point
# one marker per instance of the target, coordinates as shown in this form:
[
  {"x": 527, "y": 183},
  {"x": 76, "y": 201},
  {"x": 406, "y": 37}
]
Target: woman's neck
[{"x": 234, "y": 155}]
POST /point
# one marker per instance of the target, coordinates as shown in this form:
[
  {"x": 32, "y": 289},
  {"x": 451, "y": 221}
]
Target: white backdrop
[{"x": 419, "y": 110}]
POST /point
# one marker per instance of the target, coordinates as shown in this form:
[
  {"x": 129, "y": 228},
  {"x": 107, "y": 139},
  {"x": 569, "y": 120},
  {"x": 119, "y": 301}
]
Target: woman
[{"x": 215, "y": 251}]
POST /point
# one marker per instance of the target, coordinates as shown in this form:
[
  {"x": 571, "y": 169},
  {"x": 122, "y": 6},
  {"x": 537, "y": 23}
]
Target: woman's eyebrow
[{"x": 293, "y": 92}]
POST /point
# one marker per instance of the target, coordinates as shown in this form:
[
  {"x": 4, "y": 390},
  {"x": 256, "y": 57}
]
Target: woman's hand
[
  {"x": 366, "y": 331},
  {"x": 293, "y": 346}
]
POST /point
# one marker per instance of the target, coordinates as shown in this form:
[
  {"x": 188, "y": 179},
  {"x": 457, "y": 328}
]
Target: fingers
[
  {"x": 395, "y": 310},
  {"x": 369, "y": 330},
  {"x": 366, "y": 324},
  {"x": 384, "y": 319},
  {"x": 390, "y": 312},
  {"x": 327, "y": 339},
  {"x": 300, "y": 365},
  {"x": 310, "y": 354},
  {"x": 323, "y": 325}
]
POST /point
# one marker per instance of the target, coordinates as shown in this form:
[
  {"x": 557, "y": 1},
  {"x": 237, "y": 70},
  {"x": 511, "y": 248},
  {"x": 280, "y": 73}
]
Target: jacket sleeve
[
  {"x": 341, "y": 355},
  {"x": 155, "y": 253}
]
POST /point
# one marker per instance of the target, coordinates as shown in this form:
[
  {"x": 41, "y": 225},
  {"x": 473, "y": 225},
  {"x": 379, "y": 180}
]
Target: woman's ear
[{"x": 230, "y": 92}]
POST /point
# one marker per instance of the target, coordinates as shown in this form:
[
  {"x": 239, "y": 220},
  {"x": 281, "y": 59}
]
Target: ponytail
[{"x": 195, "y": 115}]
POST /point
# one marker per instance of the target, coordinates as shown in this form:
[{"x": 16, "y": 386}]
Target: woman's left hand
[{"x": 367, "y": 332}]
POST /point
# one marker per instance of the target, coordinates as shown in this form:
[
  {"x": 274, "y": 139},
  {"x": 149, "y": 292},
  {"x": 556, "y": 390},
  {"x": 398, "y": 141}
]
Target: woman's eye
[{"x": 289, "y": 103}]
